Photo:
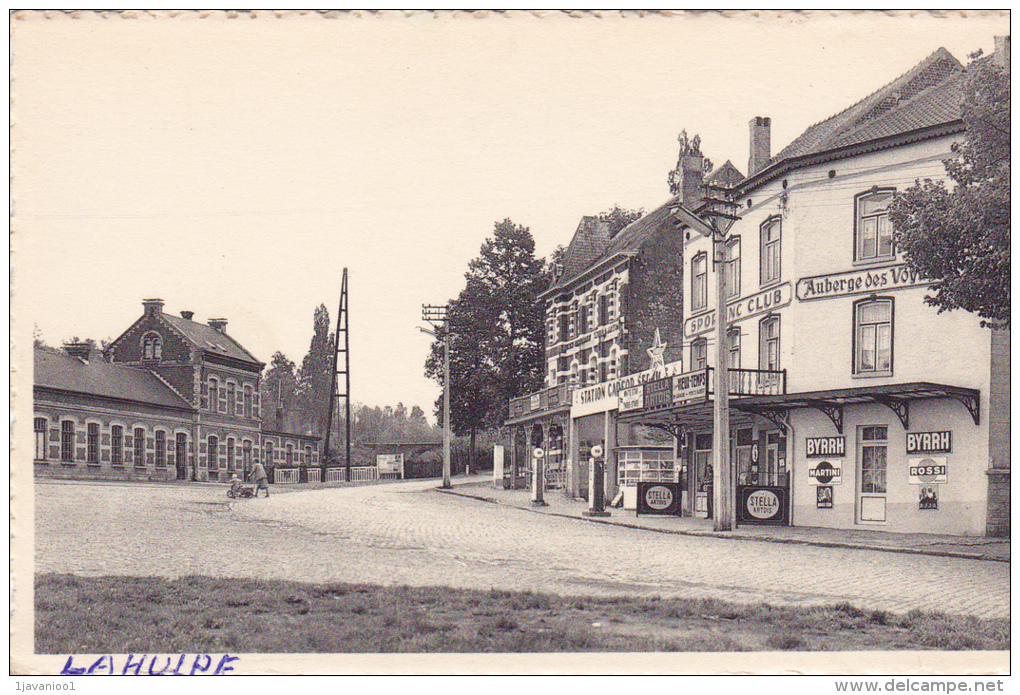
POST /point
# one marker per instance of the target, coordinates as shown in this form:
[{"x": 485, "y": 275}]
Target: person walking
[{"x": 258, "y": 474}]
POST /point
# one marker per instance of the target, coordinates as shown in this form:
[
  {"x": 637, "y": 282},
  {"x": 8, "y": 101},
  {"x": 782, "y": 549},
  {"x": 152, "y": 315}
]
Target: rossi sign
[
  {"x": 743, "y": 308},
  {"x": 929, "y": 469},
  {"x": 865, "y": 281}
]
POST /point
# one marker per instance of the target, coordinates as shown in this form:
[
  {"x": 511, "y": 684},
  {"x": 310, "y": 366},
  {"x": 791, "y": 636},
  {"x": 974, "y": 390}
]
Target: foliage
[
  {"x": 959, "y": 238},
  {"x": 497, "y": 329},
  {"x": 687, "y": 146},
  {"x": 315, "y": 376},
  {"x": 618, "y": 218},
  {"x": 277, "y": 394}
]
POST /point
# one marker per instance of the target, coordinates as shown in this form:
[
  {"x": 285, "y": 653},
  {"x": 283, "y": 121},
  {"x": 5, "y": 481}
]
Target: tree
[
  {"x": 687, "y": 146},
  {"x": 959, "y": 238},
  {"x": 618, "y": 218},
  {"x": 277, "y": 392},
  {"x": 497, "y": 323},
  {"x": 417, "y": 416},
  {"x": 315, "y": 377}
]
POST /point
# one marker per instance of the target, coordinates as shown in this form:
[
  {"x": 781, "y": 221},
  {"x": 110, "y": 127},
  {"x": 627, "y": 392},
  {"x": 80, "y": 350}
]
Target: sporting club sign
[{"x": 743, "y": 308}]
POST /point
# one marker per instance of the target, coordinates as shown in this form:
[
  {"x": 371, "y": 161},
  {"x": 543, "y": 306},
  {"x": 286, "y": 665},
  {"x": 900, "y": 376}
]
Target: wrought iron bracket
[
  {"x": 972, "y": 404},
  {"x": 673, "y": 430},
  {"x": 834, "y": 411},
  {"x": 777, "y": 416},
  {"x": 899, "y": 406}
]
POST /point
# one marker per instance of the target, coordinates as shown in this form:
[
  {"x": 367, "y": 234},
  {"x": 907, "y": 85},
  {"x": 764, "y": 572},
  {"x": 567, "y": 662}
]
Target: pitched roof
[
  {"x": 590, "y": 241},
  {"x": 56, "y": 370},
  {"x": 210, "y": 339},
  {"x": 926, "y": 95},
  {"x": 627, "y": 240}
]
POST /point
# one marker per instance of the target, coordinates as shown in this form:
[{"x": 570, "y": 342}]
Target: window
[
  {"x": 582, "y": 318},
  {"x": 561, "y": 364},
  {"x": 699, "y": 282},
  {"x": 771, "y": 233},
  {"x": 603, "y": 309},
  {"x": 769, "y": 358},
  {"x": 734, "y": 340},
  {"x": 873, "y": 231},
  {"x": 246, "y": 460},
  {"x": 214, "y": 452},
  {"x": 231, "y": 399},
  {"x": 214, "y": 396},
  {"x": 873, "y": 337},
  {"x": 289, "y": 457},
  {"x": 160, "y": 448},
  {"x": 247, "y": 401},
  {"x": 181, "y": 450},
  {"x": 40, "y": 438},
  {"x": 230, "y": 453},
  {"x": 732, "y": 267},
  {"x": 152, "y": 347},
  {"x": 67, "y": 440},
  {"x": 308, "y": 453},
  {"x": 269, "y": 454},
  {"x": 92, "y": 442},
  {"x": 139, "y": 443},
  {"x": 564, "y": 327},
  {"x": 647, "y": 466},
  {"x": 117, "y": 445},
  {"x": 699, "y": 354}
]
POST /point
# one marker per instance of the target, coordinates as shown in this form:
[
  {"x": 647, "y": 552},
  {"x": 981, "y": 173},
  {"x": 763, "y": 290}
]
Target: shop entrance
[{"x": 702, "y": 470}]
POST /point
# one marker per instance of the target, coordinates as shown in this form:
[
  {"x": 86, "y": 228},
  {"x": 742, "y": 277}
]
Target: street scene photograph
[{"x": 499, "y": 343}]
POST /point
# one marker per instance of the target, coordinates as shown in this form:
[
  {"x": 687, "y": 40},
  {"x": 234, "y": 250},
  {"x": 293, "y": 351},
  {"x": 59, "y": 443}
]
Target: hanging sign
[
  {"x": 825, "y": 473},
  {"x": 865, "y": 281},
  {"x": 928, "y": 469},
  {"x": 538, "y": 453},
  {"x": 690, "y": 387},
  {"x": 928, "y": 497},
  {"x": 632, "y": 398},
  {"x": 658, "y": 498},
  {"x": 743, "y": 308},
  {"x": 930, "y": 442},
  {"x": 761, "y": 505},
  {"x": 825, "y": 447},
  {"x": 659, "y": 393},
  {"x": 823, "y": 497}
]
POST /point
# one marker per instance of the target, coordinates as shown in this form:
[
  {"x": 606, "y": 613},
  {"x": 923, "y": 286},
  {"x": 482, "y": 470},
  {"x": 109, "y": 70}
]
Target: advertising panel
[
  {"x": 825, "y": 473},
  {"x": 928, "y": 497},
  {"x": 740, "y": 309},
  {"x": 659, "y": 393},
  {"x": 865, "y": 281},
  {"x": 658, "y": 498},
  {"x": 930, "y": 442},
  {"x": 928, "y": 469},
  {"x": 825, "y": 447},
  {"x": 390, "y": 463},
  {"x": 823, "y": 497},
  {"x": 632, "y": 398},
  {"x": 690, "y": 387},
  {"x": 758, "y": 504}
]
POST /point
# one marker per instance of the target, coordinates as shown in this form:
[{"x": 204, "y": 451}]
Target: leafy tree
[
  {"x": 417, "y": 416},
  {"x": 618, "y": 218},
  {"x": 314, "y": 379},
  {"x": 277, "y": 393},
  {"x": 497, "y": 324},
  {"x": 959, "y": 238},
  {"x": 687, "y": 146}
]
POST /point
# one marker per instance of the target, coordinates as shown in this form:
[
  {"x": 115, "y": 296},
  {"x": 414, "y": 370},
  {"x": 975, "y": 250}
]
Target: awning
[{"x": 774, "y": 408}]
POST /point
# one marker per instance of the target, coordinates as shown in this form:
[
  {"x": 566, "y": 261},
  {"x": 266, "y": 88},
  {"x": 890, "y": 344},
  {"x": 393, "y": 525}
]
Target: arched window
[
  {"x": 214, "y": 452},
  {"x": 873, "y": 336},
  {"x": 139, "y": 445},
  {"x": 769, "y": 341},
  {"x": 152, "y": 346},
  {"x": 247, "y": 401},
  {"x": 269, "y": 454},
  {"x": 181, "y": 449},
  {"x": 771, "y": 240},
  {"x": 230, "y": 453},
  {"x": 873, "y": 233},
  {"x": 289, "y": 458},
  {"x": 160, "y": 448},
  {"x": 214, "y": 395}
]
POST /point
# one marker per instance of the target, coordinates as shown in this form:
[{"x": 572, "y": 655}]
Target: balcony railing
[
  {"x": 753, "y": 382},
  {"x": 541, "y": 401},
  {"x": 698, "y": 386}
]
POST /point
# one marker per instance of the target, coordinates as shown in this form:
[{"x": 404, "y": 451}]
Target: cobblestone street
[{"x": 408, "y": 533}]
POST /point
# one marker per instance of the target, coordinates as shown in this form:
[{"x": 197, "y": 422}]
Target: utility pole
[
  {"x": 436, "y": 315},
  {"x": 334, "y": 390}
]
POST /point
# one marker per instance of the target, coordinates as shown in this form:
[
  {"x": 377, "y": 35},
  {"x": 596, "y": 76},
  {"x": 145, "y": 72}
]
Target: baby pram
[{"x": 238, "y": 489}]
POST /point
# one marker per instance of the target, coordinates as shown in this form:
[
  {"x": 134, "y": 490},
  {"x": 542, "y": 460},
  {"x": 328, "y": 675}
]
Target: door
[
  {"x": 872, "y": 462},
  {"x": 181, "y": 455}
]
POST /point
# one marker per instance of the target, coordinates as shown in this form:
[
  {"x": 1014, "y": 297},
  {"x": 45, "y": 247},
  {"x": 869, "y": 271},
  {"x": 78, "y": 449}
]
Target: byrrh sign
[{"x": 864, "y": 281}]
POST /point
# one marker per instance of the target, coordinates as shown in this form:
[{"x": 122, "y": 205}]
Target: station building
[
  {"x": 853, "y": 404},
  {"x": 170, "y": 398}
]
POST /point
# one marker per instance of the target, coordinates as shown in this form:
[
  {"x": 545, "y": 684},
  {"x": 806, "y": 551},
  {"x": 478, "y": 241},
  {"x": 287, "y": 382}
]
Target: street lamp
[
  {"x": 719, "y": 209},
  {"x": 436, "y": 315}
]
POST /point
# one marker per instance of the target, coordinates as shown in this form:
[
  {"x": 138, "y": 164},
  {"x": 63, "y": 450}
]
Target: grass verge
[{"x": 204, "y": 614}]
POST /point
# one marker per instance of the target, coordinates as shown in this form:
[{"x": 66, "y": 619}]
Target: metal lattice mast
[{"x": 335, "y": 394}]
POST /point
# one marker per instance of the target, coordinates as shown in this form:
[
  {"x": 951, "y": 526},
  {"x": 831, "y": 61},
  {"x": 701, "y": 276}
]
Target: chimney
[
  {"x": 152, "y": 306},
  {"x": 187, "y": 315},
  {"x": 1001, "y": 55},
  {"x": 79, "y": 350},
  {"x": 219, "y": 324},
  {"x": 692, "y": 169},
  {"x": 761, "y": 144}
]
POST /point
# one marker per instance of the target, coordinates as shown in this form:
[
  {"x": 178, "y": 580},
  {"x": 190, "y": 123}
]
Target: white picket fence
[
  {"x": 363, "y": 474},
  {"x": 334, "y": 475},
  {"x": 314, "y": 473},
  {"x": 287, "y": 476}
]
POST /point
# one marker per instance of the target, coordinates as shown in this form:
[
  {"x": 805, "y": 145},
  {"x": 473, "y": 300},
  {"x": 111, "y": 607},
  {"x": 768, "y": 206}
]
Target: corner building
[{"x": 852, "y": 402}]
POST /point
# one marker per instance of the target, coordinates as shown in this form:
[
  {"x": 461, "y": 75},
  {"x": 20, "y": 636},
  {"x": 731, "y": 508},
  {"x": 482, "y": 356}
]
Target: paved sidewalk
[{"x": 992, "y": 549}]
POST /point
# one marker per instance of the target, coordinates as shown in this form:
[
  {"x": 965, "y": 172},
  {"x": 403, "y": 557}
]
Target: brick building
[{"x": 187, "y": 390}]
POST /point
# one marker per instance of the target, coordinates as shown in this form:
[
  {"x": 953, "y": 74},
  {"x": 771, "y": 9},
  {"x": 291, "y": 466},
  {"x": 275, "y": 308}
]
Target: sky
[{"x": 234, "y": 167}]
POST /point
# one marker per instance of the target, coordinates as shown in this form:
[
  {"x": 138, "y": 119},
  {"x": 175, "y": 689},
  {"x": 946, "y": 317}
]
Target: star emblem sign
[{"x": 657, "y": 353}]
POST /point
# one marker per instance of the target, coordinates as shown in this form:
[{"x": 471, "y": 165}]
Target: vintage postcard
[{"x": 511, "y": 343}]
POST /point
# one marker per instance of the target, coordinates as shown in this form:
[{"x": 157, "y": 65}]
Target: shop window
[
  {"x": 873, "y": 337},
  {"x": 699, "y": 354},
  {"x": 771, "y": 238},
  {"x": 646, "y": 466},
  {"x": 160, "y": 448},
  {"x": 873, "y": 231},
  {"x": 699, "y": 282},
  {"x": 732, "y": 267},
  {"x": 117, "y": 445},
  {"x": 214, "y": 452},
  {"x": 39, "y": 426},
  {"x": 92, "y": 442},
  {"x": 139, "y": 442},
  {"x": 67, "y": 440},
  {"x": 769, "y": 341}
]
